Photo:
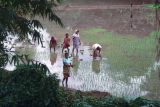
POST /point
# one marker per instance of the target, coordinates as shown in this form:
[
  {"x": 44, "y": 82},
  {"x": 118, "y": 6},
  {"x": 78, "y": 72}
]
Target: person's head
[
  {"x": 67, "y": 35},
  {"x": 98, "y": 49},
  {"x": 66, "y": 55},
  {"x": 52, "y": 38},
  {"x": 76, "y": 31}
]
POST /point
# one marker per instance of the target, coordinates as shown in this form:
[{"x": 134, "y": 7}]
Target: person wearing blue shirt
[{"x": 66, "y": 68}]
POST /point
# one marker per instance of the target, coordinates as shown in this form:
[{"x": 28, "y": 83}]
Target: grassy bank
[{"x": 125, "y": 53}]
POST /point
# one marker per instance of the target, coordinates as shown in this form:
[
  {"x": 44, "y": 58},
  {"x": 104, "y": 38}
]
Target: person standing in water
[
  {"x": 66, "y": 42},
  {"x": 66, "y": 68},
  {"x": 76, "y": 41},
  {"x": 96, "y": 48},
  {"x": 53, "y": 43}
]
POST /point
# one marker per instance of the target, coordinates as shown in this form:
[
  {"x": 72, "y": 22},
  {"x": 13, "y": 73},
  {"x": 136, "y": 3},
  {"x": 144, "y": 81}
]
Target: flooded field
[
  {"x": 127, "y": 68},
  {"x": 88, "y": 74}
]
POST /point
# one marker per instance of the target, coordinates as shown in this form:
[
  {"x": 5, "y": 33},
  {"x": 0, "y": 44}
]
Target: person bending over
[{"x": 96, "y": 48}]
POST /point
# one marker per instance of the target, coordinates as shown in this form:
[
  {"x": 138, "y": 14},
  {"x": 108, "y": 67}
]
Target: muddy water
[{"x": 88, "y": 74}]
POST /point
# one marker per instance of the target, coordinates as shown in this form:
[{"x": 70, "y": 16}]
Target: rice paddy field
[{"x": 127, "y": 68}]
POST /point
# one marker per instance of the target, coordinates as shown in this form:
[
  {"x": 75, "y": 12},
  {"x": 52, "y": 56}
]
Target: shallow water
[{"x": 88, "y": 74}]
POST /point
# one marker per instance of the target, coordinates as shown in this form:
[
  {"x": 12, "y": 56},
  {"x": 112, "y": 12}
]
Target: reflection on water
[
  {"x": 88, "y": 74},
  {"x": 96, "y": 66},
  {"x": 153, "y": 84},
  {"x": 75, "y": 62},
  {"x": 53, "y": 58}
]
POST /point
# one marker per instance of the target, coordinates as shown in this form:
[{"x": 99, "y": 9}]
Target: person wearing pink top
[
  {"x": 53, "y": 43},
  {"x": 66, "y": 42}
]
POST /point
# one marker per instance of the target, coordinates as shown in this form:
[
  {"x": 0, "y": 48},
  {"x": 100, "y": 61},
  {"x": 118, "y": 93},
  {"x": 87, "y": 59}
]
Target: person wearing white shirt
[
  {"x": 96, "y": 48},
  {"x": 76, "y": 41}
]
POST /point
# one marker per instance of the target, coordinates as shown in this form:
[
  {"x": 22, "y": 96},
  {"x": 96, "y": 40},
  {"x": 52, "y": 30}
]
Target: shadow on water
[
  {"x": 96, "y": 66},
  {"x": 53, "y": 58},
  {"x": 76, "y": 63}
]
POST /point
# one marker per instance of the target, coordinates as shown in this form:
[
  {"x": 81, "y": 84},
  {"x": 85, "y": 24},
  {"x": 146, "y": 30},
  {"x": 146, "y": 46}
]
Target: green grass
[
  {"x": 152, "y": 6},
  {"x": 125, "y": 53}
]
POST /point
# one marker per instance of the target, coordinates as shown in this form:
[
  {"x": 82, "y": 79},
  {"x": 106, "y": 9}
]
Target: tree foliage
[
  {"x": 13, "y": 12},
  {"x": 13, "y": 20},
  {"x": 29, "y": 86},
  {"x": 32, "y": 84}
]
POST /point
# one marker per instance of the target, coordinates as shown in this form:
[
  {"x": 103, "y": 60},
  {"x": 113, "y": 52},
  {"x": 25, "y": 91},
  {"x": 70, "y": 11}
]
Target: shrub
[{"x": 28, "y": 86}]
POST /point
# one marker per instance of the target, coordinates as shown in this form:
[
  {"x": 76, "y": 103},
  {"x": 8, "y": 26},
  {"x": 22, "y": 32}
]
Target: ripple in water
[{"x": 88, "y": 74}]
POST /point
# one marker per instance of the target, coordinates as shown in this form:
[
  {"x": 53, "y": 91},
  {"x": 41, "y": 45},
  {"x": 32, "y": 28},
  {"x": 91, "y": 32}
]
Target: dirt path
[{"x": 95, "y": 7}]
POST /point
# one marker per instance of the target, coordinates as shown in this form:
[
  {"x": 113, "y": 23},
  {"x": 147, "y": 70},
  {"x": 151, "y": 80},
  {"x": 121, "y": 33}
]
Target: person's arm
[
  {"x": 94, "y": 53},
  {"x": 73, "y": 36},
  {"x": 63, "y": 40},
  {"x": 100, "y": 53},
  {"x": 71, "y": 65},
  {"x": 69, "y": 40},
  {"x": 79, "y": 41},
  {"x": 50, "y": 42},
  {"x": 62, "y": 45}
]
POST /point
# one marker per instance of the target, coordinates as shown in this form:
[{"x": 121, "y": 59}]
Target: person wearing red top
[
  {"x": 66, "y": 42},
  {"x": 53, "y": 43}
]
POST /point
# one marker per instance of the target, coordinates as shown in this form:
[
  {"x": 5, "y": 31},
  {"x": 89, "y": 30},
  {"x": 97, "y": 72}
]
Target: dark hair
[
  {"x": 77, "y": 31},
  {"x": 52, "y": 38},
  {"x": 98, "y": 48},
  {"x": 66, "y": 54},
  {"x": 67, "y": 34}
]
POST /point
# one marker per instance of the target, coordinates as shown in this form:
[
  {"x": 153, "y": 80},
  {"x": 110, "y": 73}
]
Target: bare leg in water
[
  {"x": 63, "y": 82},
  {"x": 54, "y": 49},
  {"x": 77, "y": 51},
  {"x": 66, "y": 82},
  {"x": 62, "y": 50},
  {"x": 73, "y": 51}
]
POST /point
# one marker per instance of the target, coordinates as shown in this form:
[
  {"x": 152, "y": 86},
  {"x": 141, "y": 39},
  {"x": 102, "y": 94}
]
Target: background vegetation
[{"x": 31, "y": 84}]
